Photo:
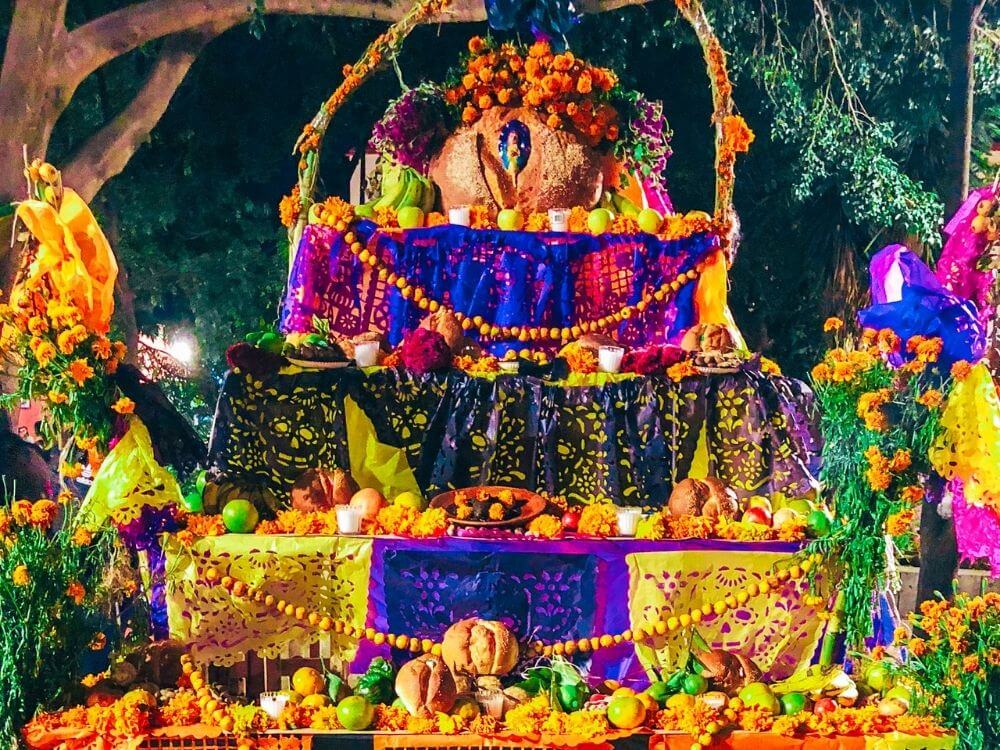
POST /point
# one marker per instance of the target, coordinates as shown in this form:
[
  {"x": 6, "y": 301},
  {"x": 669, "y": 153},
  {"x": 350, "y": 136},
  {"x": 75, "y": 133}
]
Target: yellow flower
[
  {"x": 91, "y": 680},
  {"x": 80, "y": 370},
  {"x": 101, "y": 348},
  {"x": 71, "y": 471},
  {"x": 21, "y": 576},
  {"x": 832, "y": 324},
  {"x": 43, "y": 513},
  {"x": 680, "y": 370},
  {"x": 83, "y": 536},
  {"x": 45, "y": 353},
  {"x": 912, "y": 494},
  {"x": 124, "y": 405},
  {"x": 57, "y": 397},
  {"x": 899, "y": 524},
  {"x": 930, "y": 398},
  {"x": 901, "y": 461},
  {"x": 37, "y": 325},
  {"x": 769, "y": 366},
  {"x": 545, "y": 527},
  {"x": 86, "y": 443}
]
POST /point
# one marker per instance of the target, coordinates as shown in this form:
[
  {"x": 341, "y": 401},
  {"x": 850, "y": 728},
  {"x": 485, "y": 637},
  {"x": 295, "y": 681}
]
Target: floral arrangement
[
  {"x": 54, "y": 598},
  {"x": 956, "y": 659},
  {"x": 55, "y": 324},
  {"x": 878, "y": 422},
  {"x": 414, "y": 127}
]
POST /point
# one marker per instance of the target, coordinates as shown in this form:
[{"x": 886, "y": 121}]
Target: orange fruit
[
  {"x": 681, "y": 700},
  {"x": 316, "y": 700},
  {"x": 623, "y": 692},
  {"x": 649, "y": 702},
  {"x": 626, "y": 712},
  {"x": 308, "y": 681}
]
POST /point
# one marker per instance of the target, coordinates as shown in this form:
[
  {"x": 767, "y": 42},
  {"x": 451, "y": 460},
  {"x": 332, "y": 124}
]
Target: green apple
[
  {"x": 759, "y": 694},
  {"x": 193, "y": 503},
  {"x": 793, "y": 703},
  {"x": 510, "y": 219},
  {"x": 410, "y": 500},
  {"x": 818, "y": 524},
  {"x": 410, "y": 217},
  {"x": 271, "y": 342},
  {"x": 783, "y": 516},
  {"x": 878, "y": 676},
  {"x": 694, "y": 684},
  {"x": 365, "y": 210},
  {"x": 801, "y": 505},
  {"x": 759, "y": 501},
  {"x": 599, "y": 220},
  {"x": 239, "y": 516},
  {"x": 650, "y": 220}
]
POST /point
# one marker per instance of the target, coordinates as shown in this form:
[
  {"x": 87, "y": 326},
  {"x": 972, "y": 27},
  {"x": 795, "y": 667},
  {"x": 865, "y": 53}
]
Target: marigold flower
[
  {"x": 960, "y": 370},
  {"x": 71, "y": 471},
  {"x": 80, "y": 370},
  {"x": 43, "y": 513},
  {"x": 901, "y": 461},
  {"x": 101, "y": 348},
  {"x": 20, "y": 576},
  {"x": 546, "y": 527},
  {"x": 930, "y": 398},
  {"x": 76, "y": 592},
  {"x": 124, "y": 405},
  {"x": 91, "y": 680},
  {"x": 83, "y": 536},
  {"x": 45, "y": 353},
  {"x": 57, "y": 397},
  {"x": 736, "y": 134},
  {"x": 680, "y": 370},
  {"x": 912, "y": 494},
  {"x": 832, "y": 324}
]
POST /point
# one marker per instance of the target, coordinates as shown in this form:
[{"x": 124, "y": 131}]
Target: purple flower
[{"x": 414, "y": 127}]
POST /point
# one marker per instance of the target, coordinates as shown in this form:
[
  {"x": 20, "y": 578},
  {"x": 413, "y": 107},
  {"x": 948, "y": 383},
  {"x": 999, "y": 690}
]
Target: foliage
[
  {"x": 54, "y": 601},
  {"x": 878, "y": 423},
  {"x": 956, "y": 660}
]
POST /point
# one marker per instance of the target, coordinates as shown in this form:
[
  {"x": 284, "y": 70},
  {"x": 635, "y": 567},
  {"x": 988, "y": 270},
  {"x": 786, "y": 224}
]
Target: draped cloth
[
  {"x": 549, "y": 279},
  {"x": 628, "y": 438}
]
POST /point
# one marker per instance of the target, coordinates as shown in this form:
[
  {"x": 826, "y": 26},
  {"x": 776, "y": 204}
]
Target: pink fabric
[
  {"x": 956, "y": 268},
  {"x": 976, "y": 529}
]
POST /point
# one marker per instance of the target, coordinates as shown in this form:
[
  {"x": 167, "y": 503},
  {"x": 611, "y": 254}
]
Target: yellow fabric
[
  {"x": 968, "y": 446},
  {"x": 898, "y": 741},
  {"x": 699, "y": 461},
  {"x": 322, "y": 573},
  {"x": 129, "y": 479},
  {"x": 375, "y": 464},
  {"x": 776, "y": 630},
  {"x": 711, "y": 297},
  {"x": 74, "y": 256}
]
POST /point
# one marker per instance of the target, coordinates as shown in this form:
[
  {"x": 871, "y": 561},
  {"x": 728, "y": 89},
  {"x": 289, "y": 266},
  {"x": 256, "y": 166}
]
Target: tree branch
[
  {"x": 95, "y": 43},
  {"x": 107, "y": 152}
]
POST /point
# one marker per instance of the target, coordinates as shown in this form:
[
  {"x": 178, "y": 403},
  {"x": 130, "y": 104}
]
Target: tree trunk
[{"x": 962, "y": 20}]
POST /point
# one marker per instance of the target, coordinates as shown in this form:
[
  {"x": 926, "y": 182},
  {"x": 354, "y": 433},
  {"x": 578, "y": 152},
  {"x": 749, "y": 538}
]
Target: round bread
[
  {"x": 727, "y": 671},
  {"x": 703, "y": 497},
  {"x": 426, "y": 686},
  {"x": 319, "y": 489},
  {"x": 594, "y": 341},
  {"x": 447, "y": 324},
  {"x": 708, "y": 337},
  {"x": 479, "y": 647}
]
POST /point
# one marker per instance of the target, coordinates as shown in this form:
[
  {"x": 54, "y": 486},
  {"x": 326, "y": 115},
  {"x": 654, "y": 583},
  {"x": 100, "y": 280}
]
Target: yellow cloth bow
[{"x": 74, "y": 255}]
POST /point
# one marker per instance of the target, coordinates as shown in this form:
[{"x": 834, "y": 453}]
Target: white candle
[
  {"x": 609, "y": 358},
  {"x": 628, "y": 521},
  {"x": 273, "y": 703},
  {"x": 559, "y": 219},
  {"x": 459, "y": 215},
  {"x": 348, "y": 519}
]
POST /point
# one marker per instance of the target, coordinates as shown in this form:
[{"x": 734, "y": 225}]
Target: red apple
[
  {"x": 571, "y": 519},
  {"x": 824, "y": 706},
  {"x": 757, "y": 515}
]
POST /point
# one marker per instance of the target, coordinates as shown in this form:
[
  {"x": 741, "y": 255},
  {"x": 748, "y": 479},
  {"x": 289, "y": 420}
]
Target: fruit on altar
[
  {"x": 652, "y": 706},
  {"x": 572, "y": 695},
  {"x": 290, "y": 696},
  {"x": 818, "y": 524},
  {"x": 316, "y": 700},
  {"x": 369, "y": 501},
  {"x": 708, "y": 337},
  {"x": 466, "y": 709},
  {"x": 376, "y": 684},
  {"x": 193, "y": 503},
  {"x": 355, "y": 713},
  {"x": 727, "y": 671},
  {"x": 759, "y": 501},
  {"x": 702, "y": 497},
  {"x": 892, "y": 707},
  {"x": 785, "y": 515},
  {"x": 626, "y": 711},
  {"x": 308, "y": 681},
  {"x": 900, "y": 693},
  {"x": 364, "y": 210},
  {"x": 402, "y": 187},
  {"x": 681, "y": 701},
  {"x": 793, "y": 703},
  {"x": 479, "y": 647},
  {"x": 321, "y": 489},
  {"x": 694, "y": 684},
  {"x": 659, "y": 691},
  {"x": 599, "y": 220},
  {"x": 877, "y": 676},
  {"x": 510, "y": 219},
  {"x": 824, "y": 706},
  {"x": 802, "y": 505},
  {"x": 620, "y": 691},
  {"x": 760, "y": 695},
  {"x": 650, "y": 220},
  {"x": 448, "y": 325},
  {"x": 409, "y": 500},
  {"x": 570, "y": 520},
  {"x": 240, "y": 517},
  {"x": 758, "y": 515},
  {"x": 558, "y": 170},
  {"x": 270, "y": 342},
  {"x": 410, "y": 217},
  {"x": 426, "y": 686}
]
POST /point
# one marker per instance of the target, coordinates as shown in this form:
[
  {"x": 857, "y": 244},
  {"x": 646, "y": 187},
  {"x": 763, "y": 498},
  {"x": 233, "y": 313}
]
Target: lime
[
  {"x": 818, "y": 524},
  {"x": 760, "y": 695},
  {"x": 793, "y": 703},
  {"x": 271, "y": 342},
  {"x": 659, "y": 692},
  {"x": 193, "y": 503},
  {"x": 410, "y": 500},
  {"x": 878, "y": 677},
  {"x": 355, "y": 713},
  {"x": 694, "y": 684},
  {"x": 239, "y": 516}
]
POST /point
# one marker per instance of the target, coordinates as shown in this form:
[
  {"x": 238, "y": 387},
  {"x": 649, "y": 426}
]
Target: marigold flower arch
[{"x": 731, "y": 134}]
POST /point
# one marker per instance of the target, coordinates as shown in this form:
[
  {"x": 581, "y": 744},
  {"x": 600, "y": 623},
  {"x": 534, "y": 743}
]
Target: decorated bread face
[
  {"x": 703, "y": 497},
  {"x": 479, "y": 647}
]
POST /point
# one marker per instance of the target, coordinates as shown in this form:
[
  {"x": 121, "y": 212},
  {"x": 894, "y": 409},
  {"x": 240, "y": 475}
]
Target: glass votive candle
[
  {"x": 366, "y": 353},
  {"x": 628, "y": 521},
  {"x": 509, "y": 366},
  {"x": 348, "y": 519},
  {"x": 559, "y": 219},
  {"x": 609, "y": 358},
  {"x": 273, "y": 704},
  {"x": 459, "y": 215}
]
